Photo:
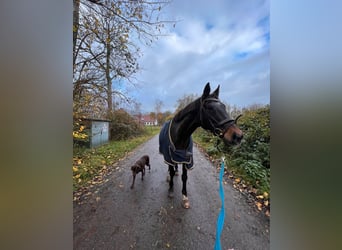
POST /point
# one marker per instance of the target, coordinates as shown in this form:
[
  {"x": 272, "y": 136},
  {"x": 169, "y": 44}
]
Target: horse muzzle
[{"x": 233, "y": 135}]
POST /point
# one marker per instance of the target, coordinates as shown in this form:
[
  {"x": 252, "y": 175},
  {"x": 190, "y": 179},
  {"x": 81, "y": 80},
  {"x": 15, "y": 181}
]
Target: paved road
[{"x": 116, "y": 217}]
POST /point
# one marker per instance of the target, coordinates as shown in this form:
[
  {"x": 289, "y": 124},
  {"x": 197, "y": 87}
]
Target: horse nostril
[{"x": 238, "y": 137}]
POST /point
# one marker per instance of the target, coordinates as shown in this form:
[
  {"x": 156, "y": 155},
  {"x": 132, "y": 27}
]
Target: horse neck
[{"x": 184, "y": 124}]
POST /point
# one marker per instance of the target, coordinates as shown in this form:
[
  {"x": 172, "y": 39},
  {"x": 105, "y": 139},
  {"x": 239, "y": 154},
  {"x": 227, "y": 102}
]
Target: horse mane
[{"x": 185, "y": 111}]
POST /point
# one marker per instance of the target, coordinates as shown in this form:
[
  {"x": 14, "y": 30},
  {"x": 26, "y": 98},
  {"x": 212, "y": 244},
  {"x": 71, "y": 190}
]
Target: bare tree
[
  {"x": 158, "y": 106},
  {"x": 103, "y": 47},
  {"x": 184, "y": 101}
]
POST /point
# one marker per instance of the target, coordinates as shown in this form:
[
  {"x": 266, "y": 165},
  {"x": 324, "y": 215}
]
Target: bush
[
  {"x": 250, "y": 160},
  {"x": 124, "y": 126}
]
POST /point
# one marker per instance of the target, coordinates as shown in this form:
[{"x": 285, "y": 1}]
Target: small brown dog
[{"x": 139, "y": 166}]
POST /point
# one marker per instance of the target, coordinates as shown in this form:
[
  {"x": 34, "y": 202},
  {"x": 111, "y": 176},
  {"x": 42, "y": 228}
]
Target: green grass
[{"x": 88, "y": 164}]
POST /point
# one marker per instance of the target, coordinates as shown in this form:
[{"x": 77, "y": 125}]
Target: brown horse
[{"x": 175, "y": 142}]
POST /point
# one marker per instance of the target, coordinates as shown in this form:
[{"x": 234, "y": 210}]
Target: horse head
[{"x": 215, "y": 118}]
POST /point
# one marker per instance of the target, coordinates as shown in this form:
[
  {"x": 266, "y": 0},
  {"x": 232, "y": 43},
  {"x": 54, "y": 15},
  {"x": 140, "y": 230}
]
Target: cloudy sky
[{"x": 224, "y": 42}]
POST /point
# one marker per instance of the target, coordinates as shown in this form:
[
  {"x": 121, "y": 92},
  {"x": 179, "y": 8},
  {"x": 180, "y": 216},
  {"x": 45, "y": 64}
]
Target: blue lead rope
[{"x": 220, "y": 219}]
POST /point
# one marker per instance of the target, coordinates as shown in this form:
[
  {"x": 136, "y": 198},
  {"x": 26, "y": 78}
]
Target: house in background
[{"x": 147, "y": 120}]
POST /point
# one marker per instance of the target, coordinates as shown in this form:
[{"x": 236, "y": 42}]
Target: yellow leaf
[
  {"x": 265, "y": 194},
  {"x": 260, "y": 197},
  {"x": 103, "y": 162},
  {"x": 237, "y": 180},
  {"x": 79, "y": 162},
  {"x": 75, "y": 169},
  {"x": 259, "y": 205},
  {"x": 266, "y": 203}
]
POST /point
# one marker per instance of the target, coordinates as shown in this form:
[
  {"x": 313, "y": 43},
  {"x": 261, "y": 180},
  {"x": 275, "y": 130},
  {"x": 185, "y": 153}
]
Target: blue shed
[
  {"x": 99, "y": 133},
  {"x": 97, "y": 130}
]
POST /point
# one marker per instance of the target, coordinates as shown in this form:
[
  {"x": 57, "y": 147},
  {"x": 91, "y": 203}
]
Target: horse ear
[
  {"x": 206, "y": 91},
  {"x": 216, "y": 92}
]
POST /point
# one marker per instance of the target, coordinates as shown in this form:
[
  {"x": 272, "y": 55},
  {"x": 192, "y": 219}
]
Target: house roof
[{"x": 147, "y": 118}]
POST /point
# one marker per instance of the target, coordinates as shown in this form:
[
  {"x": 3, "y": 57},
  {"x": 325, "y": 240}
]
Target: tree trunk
[
  {"x": 76, "y": 17},
  {"x": 109, "y": 80}
]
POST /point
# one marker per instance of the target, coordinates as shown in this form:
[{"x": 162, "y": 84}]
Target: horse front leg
[
  {"x": 172, "y": 174},
  {"x": 185, "y": 200}
]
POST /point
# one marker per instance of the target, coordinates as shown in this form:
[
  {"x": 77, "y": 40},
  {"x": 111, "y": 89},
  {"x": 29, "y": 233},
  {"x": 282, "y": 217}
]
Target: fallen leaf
[
  {"x": 75, "y": 169},
  {"x": 237, "y": 180},
  {"x": 260, "y": 197},
  {"x": 267, "y": 213},
  {"x": 265, "y": 194},
  {"x": 266, "y": 203},
  {"x": 168, "y": 245},
  {"x": 259, "y": 205}
]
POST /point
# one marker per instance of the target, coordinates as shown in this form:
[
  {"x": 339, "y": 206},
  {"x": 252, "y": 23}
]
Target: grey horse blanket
[{"x": 173, "y": 156}]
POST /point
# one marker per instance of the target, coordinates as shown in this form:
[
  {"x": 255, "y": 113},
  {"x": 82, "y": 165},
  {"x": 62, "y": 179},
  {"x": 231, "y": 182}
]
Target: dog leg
[{"x": 133, "y": 180}]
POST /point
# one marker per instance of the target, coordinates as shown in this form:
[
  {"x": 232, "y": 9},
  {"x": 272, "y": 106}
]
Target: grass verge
[
  {"x": 90, "y": 165},
  {"x": 248, "y": 182}
]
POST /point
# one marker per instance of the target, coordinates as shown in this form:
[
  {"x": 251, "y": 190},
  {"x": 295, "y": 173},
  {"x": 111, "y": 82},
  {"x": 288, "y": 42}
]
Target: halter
[{"x": 222, "y": 126}]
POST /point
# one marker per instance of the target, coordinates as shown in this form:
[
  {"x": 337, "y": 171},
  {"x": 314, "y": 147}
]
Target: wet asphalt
[{"x": 113, "y": 216}]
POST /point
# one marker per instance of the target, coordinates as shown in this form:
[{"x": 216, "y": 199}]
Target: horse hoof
[
  {"x": 170, "y": 194},
  {"x": 185, "y": 202}
]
